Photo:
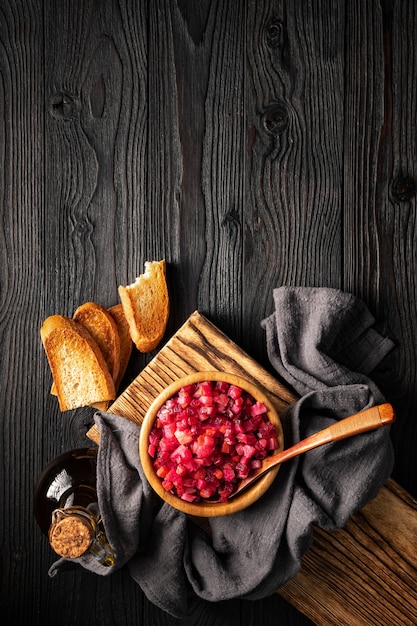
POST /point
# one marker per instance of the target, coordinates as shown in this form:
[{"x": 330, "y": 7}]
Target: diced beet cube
[
  {"x": 152, "y": 449},
  {"x": 258, "y": 409},
  {"x": 238, "y": 426},
  {"x": 205, "y": 389},
  {"x": 222, "y": 400},
  {"x": 225, "y": 449},
  {"x": 188, "y": 497},
  {"x": 205, "y": 412},
  {"x": 228, "y": 474},
  {"x": 162, "y": 471},
  {"x": 183, "y": 437},
  {"x": 248, "y": 451},
  {"x": 181, "y": 453},
  {"x": 207, "y": 492},
  {"x": 272, "y": 443},
  {"x": 235, "y": 391},
  {"x": 242, "y": 470},
  {"x": 181, "y": 470},
  {"x": 222, "y": 386},
  {"x": 267, "y": 430},
  {"x": 169, "y": 430},
  {"x": 262, "y": 444}
]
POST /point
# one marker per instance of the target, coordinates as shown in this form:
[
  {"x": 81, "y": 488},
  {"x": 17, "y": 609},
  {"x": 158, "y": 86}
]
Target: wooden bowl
[{"x": 207, "y": 508}]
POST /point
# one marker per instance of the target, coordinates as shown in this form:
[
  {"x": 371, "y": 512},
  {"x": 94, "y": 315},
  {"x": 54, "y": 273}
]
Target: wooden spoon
[{"x": 369, "y": 419}]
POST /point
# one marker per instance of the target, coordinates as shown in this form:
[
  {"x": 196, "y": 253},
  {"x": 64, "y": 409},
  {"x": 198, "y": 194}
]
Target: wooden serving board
[
  {"x": 198, "y": 346},
  {"x": 363, "y": 574}
]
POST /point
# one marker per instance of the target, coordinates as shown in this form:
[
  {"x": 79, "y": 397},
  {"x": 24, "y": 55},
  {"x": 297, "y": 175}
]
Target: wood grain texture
[
  {"x": 294, "y": 154},
  {"x": 252, "y": 144},
  {"x": 380, "y": 205},
  {"x": 22, "y": 195},
  {"x": 372, "y": 561}
]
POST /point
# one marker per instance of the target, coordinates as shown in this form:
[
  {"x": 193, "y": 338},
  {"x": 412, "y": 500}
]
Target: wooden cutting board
[
  {"x": 198, "y": 346},
  {"x": 363, "y": 574}
]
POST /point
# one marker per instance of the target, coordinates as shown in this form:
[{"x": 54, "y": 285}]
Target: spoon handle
[{"x": 361, "y": 422}]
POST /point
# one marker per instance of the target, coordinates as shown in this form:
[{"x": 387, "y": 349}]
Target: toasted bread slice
[
  {"x": 102, "y": 327},
  {"x": 79, "y": 370},
  {"x": 146, "y": 306},
  {"x": 126, "y": 343}
]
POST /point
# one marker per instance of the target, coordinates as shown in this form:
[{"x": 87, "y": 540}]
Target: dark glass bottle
[{"x": 66, "y": 510}]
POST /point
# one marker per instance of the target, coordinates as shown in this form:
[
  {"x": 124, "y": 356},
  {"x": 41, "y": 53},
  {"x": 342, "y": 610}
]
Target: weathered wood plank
[
  {"x": 379, "y": 196},
  {"x": 22, "y": 193},
  {"x": 195, "y": 61},
  {"x": 95, "y": 135},
  {"x": 221, "y": 289},
  {"x": 364, "y": 573},
  {"x": 96, "y": 164},
  {"x": 294, "y": 98},
  {"x": 96, "y": 156}
]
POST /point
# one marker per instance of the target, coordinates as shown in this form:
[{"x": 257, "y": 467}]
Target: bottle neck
[{"x": 78, "y": 496}]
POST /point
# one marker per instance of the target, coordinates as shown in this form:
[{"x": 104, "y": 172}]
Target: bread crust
[
  {"x": 88, "y": 354},
  {"x": 126, "y": 344},
  {"x": 146, "y": 306},
  {"x": 103, "y": 328},
  {"x": 78, "y": 367}
]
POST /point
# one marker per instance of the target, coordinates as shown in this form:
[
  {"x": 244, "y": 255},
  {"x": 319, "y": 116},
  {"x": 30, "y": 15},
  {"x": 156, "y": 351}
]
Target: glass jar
[{"x": 66, "y": 509}]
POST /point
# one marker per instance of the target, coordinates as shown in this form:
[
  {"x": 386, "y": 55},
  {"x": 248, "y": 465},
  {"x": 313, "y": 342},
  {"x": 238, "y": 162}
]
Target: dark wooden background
[{"x": 250, "y": 143}]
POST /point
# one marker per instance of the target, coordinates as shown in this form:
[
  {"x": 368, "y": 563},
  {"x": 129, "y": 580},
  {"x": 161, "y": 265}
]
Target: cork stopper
[{"x": 71, "y": 536}]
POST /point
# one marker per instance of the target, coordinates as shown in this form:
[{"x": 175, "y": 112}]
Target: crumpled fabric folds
[{"x": 324, "y": 344}]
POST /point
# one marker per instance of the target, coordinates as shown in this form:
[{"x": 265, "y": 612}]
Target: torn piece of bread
[
  {"x": 126, "y": 343},
  {"x": 146, "y": 306},
  {"x": 103, "y": 328},
  {"x": 79, "y": 370}
]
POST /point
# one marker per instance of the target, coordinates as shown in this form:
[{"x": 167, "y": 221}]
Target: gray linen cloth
[{"x": 322, "y": 343}]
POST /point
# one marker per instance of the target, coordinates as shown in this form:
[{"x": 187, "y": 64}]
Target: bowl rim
[{"x": 202, "y": 508}]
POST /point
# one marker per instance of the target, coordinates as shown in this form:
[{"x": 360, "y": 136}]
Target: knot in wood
[
  {"x": 83, "y": 227},
  {"x": 403, "y": 188},
  {"x": 276, "y": 118},
  {"x": 64, "y": 106},
  {"x": 274, "y": 33},
  {"x": 231, "y": 217}
]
